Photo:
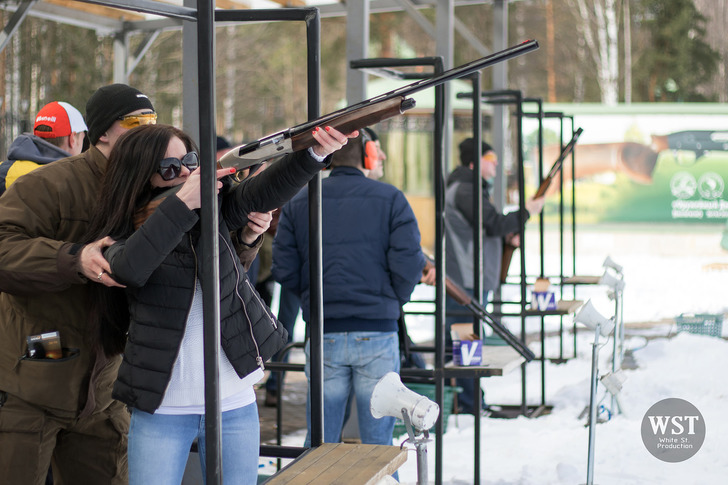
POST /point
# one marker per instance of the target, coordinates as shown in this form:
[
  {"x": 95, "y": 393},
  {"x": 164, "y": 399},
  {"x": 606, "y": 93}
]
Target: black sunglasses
[{"x": 170, "y": 168}]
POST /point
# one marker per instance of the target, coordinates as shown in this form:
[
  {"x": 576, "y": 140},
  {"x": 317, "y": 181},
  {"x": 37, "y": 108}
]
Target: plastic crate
[
  {"x": 700, "y": 323},
  {"x": 428, "y": 390}
]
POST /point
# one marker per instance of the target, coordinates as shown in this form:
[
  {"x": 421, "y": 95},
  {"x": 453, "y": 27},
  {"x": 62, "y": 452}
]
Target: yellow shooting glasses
[
  {"x": 490, "y": 157},
  {"x": 132, "y": 121}
]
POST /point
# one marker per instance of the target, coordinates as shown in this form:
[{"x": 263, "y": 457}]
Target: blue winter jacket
[
  {"x": 372, "y": 257},
  {"x": 26, "y": 153}
]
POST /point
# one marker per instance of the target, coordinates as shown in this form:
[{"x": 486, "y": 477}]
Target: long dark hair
[{"x": 125, "y": 190}]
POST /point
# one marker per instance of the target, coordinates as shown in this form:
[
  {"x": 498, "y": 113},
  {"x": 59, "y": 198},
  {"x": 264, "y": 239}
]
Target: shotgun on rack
[
  {"x": 461, "y": 296},
  {"x": 359, "y": 115}
]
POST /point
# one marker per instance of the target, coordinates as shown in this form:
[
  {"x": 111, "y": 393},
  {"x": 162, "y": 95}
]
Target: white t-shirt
[{"x": 185, "y": 392}]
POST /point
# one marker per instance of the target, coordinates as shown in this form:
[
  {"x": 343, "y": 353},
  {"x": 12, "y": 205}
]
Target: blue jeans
[
  {"x": 355, "y": 360},
  {"x": 159, "y": 445}
]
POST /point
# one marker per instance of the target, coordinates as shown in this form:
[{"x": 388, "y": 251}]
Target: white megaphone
[
  {"x": 390, "y": 396},
  {"x": 609, "y": 263},
  {"x": 616, "y": 284},
  {"x": 589, "y": 316}
]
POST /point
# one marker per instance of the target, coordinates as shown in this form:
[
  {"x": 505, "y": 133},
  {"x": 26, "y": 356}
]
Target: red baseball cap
[{"x": 62, "y": 118}]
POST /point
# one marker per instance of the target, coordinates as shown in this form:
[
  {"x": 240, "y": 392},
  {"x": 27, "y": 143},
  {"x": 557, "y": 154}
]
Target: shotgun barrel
[{"x": 462, "y": 297}]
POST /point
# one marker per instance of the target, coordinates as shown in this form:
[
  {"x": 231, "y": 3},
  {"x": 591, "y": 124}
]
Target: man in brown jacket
[{"x": 60, "y": 411}]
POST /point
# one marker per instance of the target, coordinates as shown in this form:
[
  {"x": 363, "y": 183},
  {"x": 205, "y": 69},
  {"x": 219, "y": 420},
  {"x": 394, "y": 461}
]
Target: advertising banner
[{"x": 642, "y": 162}]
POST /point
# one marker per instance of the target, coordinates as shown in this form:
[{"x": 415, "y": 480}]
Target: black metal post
[
  {"x": 209, "y": 265},
  {"x": 440, "y": 171},
  {"x": 522, "y": 210},
  {"x": 561, "y": 237},
  {"x": 316, "y": 321},
  {"x": 382, "y": 67},
  {"x": 311, "y": 16},
  {"x": 539, "y": 116},
  {"x": 573, "y": 218},
  {"x": 477, "y": 260},
  {"x": 515, "y": 97}
]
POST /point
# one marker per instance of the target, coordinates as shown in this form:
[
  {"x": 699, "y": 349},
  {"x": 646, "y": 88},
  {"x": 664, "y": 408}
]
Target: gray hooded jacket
[{"x": 459, "y": 221}]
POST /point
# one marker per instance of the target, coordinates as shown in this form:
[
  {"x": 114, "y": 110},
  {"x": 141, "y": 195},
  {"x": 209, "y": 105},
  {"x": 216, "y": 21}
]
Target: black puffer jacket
[{"x": 159, "y": 264}]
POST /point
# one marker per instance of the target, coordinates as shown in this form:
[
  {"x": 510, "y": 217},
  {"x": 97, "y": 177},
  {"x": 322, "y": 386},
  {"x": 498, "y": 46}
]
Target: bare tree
[{"x": 598, "y": 24}]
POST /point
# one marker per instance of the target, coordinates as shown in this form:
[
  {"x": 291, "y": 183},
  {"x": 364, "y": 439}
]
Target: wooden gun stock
[
  {"x": 357, "y": 119},
  {"x": 458, "y": 294},
  {"x": 544, "y": 186},
  {"x": 556, "y": 167},
  {"x": 301, "y": 138},
  {"x": 452, "y": 289}
]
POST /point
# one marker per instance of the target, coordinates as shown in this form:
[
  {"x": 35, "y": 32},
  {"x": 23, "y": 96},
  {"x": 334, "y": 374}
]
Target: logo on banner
[
  {"x": 683, "y": 185},
  {"x": 710, "y": 185}
]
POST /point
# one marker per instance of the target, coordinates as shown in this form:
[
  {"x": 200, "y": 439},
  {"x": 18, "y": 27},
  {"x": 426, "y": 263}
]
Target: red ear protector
[{"x": 371, "y": 154}]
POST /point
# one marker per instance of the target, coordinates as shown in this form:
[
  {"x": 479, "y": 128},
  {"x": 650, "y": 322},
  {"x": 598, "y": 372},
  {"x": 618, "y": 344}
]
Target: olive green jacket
[{"x": 43, "y": 216}]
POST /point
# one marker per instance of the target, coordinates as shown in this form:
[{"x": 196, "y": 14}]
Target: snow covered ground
[
  {"x": 553, "y": 449},
  {"x": 668, "y": 271}
]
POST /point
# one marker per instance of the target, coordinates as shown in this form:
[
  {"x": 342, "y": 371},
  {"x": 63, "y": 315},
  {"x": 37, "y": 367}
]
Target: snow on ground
[
  {"x": 553, "y": 449},
  {"x": 668, "y": 270}
]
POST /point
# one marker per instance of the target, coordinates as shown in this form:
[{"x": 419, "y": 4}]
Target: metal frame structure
[{"x": 200, "y": 123}]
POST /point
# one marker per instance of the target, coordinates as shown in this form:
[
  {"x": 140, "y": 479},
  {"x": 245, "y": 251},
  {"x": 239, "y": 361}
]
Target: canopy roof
[{"x": 101, "y": 16}]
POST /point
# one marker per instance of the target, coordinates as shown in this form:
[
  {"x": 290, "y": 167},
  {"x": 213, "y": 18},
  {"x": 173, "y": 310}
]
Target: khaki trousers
[{"x": 91, "y": 450}]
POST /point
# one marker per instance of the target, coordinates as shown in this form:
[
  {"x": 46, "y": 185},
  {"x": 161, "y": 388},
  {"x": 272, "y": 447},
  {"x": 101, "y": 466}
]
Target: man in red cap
[{"x": 58, "y": 132}]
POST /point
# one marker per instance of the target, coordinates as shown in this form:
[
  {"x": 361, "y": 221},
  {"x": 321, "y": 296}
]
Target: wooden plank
[
  {"x": 342, "y": 464},
  {"x": 375, "y": 466},
  {"x": 501, "y": 357},
  {"x": 293, "y": 469},
  {"x": 290, "y": 3},
  {"x": 307, "y": 468},
  {"x": 568, "y": 306},
  {"x": 231, "y": 5},
  {"x": 581, "y": 280},
  {"x": 348, "y": 459},
  {"x": 563, "y": 307},
  {"x": 497, "y": 360}
]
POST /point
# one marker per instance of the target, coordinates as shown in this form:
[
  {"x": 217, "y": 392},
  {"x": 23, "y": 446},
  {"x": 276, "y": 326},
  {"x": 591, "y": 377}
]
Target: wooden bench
[{"x": 341, "y": 463}]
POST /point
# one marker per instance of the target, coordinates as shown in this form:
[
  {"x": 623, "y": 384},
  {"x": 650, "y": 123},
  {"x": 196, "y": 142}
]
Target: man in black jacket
[{"x": 459, "y": 224}]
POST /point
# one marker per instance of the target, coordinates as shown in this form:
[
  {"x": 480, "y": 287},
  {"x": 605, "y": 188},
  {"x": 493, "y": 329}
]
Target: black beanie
[
  {"x": 467, "y": 147},
  {"x": 109, "y": 103}
]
